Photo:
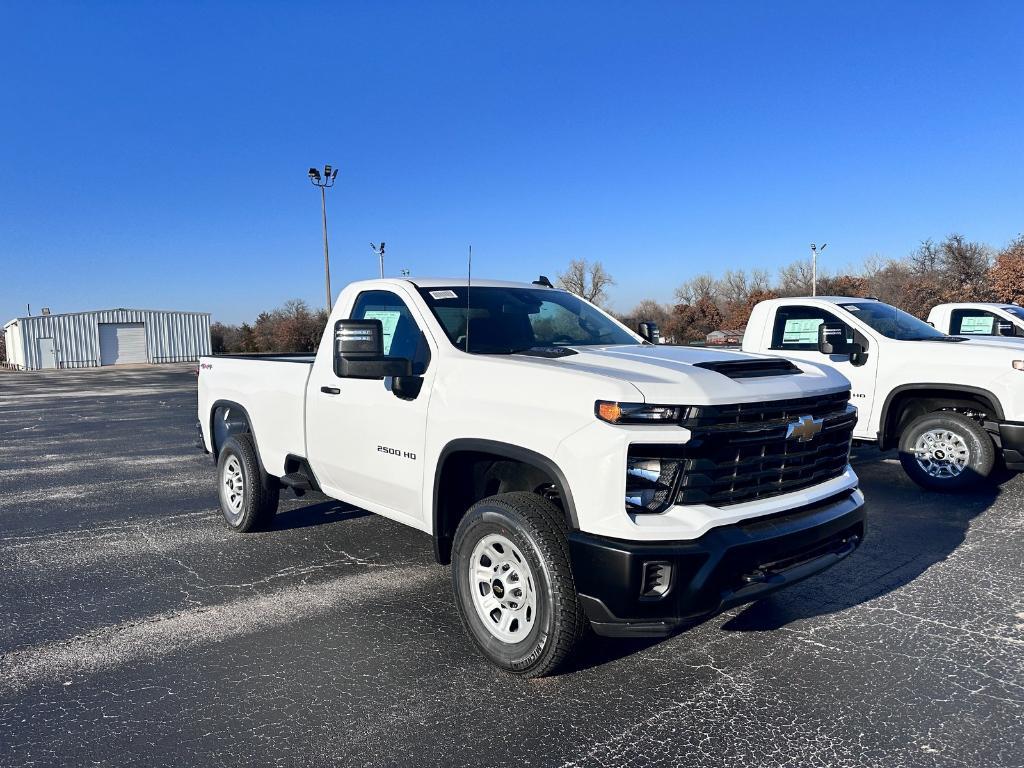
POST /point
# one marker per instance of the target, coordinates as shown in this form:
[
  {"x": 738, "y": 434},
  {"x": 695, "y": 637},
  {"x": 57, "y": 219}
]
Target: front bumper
[{"x": 727, "y": 566}]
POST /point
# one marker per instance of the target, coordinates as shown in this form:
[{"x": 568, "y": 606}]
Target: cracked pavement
[{"x": 138, "y": 630}]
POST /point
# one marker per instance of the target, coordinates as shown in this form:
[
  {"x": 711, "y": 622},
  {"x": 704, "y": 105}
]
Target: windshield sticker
[
  {"x": 801, "y": 331},
  {"x": 978, "y": 325},
  {"x": 388, "y": 320},
  {"x": 443, "y": 294}
]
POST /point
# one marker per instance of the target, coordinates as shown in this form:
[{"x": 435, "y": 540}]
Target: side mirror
[
  {"x": 359, "y": 352},
  {"x": 1006, "y": 328},
  {"x": 832, "y": 339},
  {"x": 649, "y": 330}
]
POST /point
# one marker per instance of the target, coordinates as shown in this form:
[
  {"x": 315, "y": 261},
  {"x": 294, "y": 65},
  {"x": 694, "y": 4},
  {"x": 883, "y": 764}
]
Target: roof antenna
[{"x": 469, "y": 280}]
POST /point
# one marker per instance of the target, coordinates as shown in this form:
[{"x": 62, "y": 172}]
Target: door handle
[{"x": 330, "y": 390}]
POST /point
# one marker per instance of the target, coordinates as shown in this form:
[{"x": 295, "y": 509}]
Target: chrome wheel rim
[
  {"x": 232, "y": 487},
  {"x": 942, "y": 453},
  {"x": 503, "y": 588}
]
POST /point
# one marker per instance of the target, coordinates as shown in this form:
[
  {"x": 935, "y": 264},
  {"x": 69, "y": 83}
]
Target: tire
[
  {"x": 960, "y": 454},
  {"x": 521, "y": 539},
  {"x": 238, "y": 469}
]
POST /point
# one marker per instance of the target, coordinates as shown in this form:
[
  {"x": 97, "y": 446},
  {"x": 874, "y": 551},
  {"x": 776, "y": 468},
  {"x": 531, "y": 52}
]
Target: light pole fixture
[
  {"x": 815, "y": 250},
  {"x": 379, "y": 250},
  {"x": 325, "y": 182}
]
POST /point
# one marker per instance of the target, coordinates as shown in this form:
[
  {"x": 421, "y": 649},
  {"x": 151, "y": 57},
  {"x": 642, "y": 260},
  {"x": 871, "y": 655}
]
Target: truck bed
[{"x": 272, "y": 391}]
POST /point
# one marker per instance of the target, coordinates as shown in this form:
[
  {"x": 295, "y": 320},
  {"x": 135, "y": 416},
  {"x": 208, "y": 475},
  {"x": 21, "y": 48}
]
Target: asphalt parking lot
[{"x": 137, "y": 630}]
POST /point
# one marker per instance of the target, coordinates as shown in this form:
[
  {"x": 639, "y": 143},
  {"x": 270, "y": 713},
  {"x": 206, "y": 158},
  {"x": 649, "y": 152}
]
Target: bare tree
[
  {"x": 733, "y": 287},
  {"x": 760, "y": 281},
  {"x": 696, "y": 288},
  {"x": 589, "y": 281},
  {"x": 648, "y": 310},
  {"x": 964, "y": 269},
  {"x": 796, "y": 279}
]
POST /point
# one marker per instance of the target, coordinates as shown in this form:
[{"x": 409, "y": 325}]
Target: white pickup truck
[
  {"x": 1005, "y": 321},
  {"x": 953, "y": 406},
  {"x": 573, "y": 473}
]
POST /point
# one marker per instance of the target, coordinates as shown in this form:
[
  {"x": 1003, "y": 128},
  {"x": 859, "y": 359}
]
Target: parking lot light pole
[
  {"x": 325, "y": 182},
  {"x": 379, "y": 250},
  {"x": 815, "y": 250}
]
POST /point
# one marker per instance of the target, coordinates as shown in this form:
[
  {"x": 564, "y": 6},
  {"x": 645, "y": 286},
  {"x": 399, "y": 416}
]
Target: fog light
[{"x": 657, "y": 579}]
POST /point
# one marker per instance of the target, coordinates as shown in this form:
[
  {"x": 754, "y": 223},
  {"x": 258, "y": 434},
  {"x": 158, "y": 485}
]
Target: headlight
[
  {"x": 649, "y": 483},
  {"x": 636, "y": 413}
]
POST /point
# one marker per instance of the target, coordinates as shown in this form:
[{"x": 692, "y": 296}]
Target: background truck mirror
[
  {"x": 832, "y": 339},
  {"x": 649, "y": 330},
  {"x": 359, "y": 352},
  {"x": 1006, "y": 328}
]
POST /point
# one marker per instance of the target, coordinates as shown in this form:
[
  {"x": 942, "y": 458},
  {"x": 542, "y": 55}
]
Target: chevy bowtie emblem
[{"x": 804, "y": 428}]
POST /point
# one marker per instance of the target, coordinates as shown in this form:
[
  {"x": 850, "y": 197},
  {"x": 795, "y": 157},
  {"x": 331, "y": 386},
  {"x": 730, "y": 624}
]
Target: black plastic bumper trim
[{"x": 727, "y": 566}]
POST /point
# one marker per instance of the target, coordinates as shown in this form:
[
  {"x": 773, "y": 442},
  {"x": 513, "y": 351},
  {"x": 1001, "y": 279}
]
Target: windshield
[
  {"x": 1017, "y": 312},
  {"x": 893, "y": 323},
  {"x": 506, "y": 320}
]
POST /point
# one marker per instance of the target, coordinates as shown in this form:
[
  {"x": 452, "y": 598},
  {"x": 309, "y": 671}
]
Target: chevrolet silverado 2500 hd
[
  {"x": 953, "y": 406},
  {"x": 1002, "y": 321},
  {"x": 571, "y": 472}
]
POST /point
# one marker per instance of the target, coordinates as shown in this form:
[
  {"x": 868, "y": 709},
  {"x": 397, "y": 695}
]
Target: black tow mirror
[
  {"x": 649, "y": 330},
  {"x": 832, "y": 339},
  {"x": 359, "y": 352},
  {"x": 1006, "y": 328}
]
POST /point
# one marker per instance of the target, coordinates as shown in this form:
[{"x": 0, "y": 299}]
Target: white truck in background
[
  {"x": 1003, "y": 321},
  {"x": 953, "y": 406},
  {"x": 571, "y": 472}
]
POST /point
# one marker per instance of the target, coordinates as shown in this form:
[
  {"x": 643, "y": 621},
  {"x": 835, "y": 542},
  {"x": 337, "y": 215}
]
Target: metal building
[{"x": 106, "y": 337}]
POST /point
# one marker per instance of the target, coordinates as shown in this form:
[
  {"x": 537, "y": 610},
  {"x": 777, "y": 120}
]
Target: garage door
[{"x": 122, "y": 343}]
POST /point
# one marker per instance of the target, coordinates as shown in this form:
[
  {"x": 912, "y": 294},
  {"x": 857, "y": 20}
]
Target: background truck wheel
[
  {"x": 248, "y": 496},
  {"x": 946, "y": 451},
  {"x": 513, "y": 583}
]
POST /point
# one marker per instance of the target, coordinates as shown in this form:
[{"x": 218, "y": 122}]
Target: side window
[
  {"x": 972, "y": 322},
  {"x": 402, "y": 336},
  {"x": 796, "y": 328}
]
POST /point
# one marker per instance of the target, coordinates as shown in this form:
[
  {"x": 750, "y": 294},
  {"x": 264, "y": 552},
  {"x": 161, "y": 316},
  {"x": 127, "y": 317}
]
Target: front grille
[
  {"x": 741, "y": 452},
  {"x": 766, "y": 414}
]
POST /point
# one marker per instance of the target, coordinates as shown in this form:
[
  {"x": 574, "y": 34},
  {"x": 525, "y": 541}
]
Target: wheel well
[
  {"x": 908, "y": 405},
  {"x": 227, "y": 419},
  {"x": 466, "y": 476}
]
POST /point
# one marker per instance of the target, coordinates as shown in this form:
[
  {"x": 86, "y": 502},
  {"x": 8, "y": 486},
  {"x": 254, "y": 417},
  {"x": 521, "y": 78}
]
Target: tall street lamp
[
  {"x": 325, "y": 182},
  {"x": 379, "y": 250},
  {"x": 815, "y": 250}
]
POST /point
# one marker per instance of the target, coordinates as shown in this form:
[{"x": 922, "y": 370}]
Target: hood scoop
[
  {"x": 547, "y": 352},
  {"x": 750, "y": 369}
]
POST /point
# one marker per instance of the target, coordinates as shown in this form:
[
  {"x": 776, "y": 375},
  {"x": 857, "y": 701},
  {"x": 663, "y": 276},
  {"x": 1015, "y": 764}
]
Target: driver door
[
  {"x": 795, "y": 335},
  {"x": 366, "y": 441}
]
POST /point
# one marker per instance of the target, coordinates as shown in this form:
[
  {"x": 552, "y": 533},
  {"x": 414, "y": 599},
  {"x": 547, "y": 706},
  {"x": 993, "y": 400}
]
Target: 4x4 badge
[{"x": 804, "y": 428}]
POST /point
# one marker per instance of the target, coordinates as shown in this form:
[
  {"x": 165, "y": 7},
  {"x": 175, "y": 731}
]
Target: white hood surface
[{"x": 669, "y": 374}]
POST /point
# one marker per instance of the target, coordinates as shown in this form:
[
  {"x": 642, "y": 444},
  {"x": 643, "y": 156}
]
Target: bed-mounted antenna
[{"x": 469, "y": 281}]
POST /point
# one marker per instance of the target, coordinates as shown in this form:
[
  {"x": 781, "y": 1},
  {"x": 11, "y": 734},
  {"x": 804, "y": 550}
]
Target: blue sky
[{"x": 155, "y": 154}]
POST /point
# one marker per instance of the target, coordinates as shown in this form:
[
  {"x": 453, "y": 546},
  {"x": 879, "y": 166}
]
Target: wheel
[
  {"x": 248, "y": 496},
  {"x": 947, "y": 451},
  {"x": 513, "y": 583}
]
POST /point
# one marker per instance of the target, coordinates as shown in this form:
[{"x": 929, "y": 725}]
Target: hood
[
  {"x": 670, "y": 374},
  {"x": 1002, "y": 342}
]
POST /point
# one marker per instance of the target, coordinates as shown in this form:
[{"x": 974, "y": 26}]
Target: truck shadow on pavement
[
  {"x": 908, "y": 531},
  {"x": 320, "y": 512}
]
